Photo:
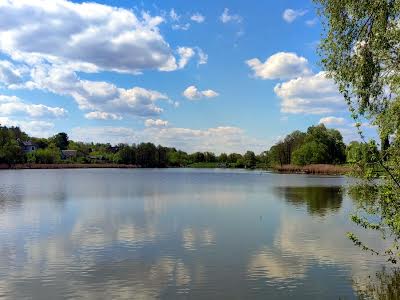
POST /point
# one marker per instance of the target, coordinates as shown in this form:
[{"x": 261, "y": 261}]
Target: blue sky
[{"x": 205, "y": 75}]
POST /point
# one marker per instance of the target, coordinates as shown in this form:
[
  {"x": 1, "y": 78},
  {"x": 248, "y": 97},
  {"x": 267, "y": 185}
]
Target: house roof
[
  {"x": 69, "y": 151},
  {"x": 28, "y": 144}
]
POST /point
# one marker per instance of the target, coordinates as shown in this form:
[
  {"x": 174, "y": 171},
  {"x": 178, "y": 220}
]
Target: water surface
[{"x": 176, "y": 233}]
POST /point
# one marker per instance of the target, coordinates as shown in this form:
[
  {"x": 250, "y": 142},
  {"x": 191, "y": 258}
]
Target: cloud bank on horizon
[{"x": 145, "y": 73}]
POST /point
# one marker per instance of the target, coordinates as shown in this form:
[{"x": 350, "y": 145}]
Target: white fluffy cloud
[
  {"x": 227, "y": 18},
  {"x": 183, "y": 27},
  {"x": 155, "y": 123},
  {"x": 289, "y": 15},
  {"x": 281, "y": 65},
  {"x": 89, "y": 36},
  {"x": 11, "y": 105},
  {"x": 203, "y": 57},
  {"x": 311, "y": 22},
  {"x": 105, "y": 134},
  {"x": 332, "y": 120},
  {"x": 174, "y": 15},
  {"x": 9, "y": 73},
  {"x": 32, "y": 127},
  {"x": 100, "y": 97},
  {"x": 101, "y": 115},
  {"x": 50, "y": 41},
  {"x": 192, "y": 93},
  {"x": 314, "y": 94},
  {"x": 185, "y": 54},
  {"x": 304, "y": 92},
  {"x": 198, "y": 18},
  {"x": 8, "y": 99},
  {"x": 218, "y": 139}
]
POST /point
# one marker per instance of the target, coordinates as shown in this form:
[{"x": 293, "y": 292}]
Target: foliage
[
  {"x": 147, "y": 155},
  {"x": 82, "y": 149},
  {"x": 362, "y": 153},
  {"x": 249, "y": 160},
  {"x": 60, "y": 140},
  {"x": 360, "y": 51},
  {"x": 311, "y": 153},
  {"x": 42, "y": 143},
  {"x": 234, "y": 158},
  {"x": 223, "y": 158},
  {"x": 10, "y": 148},
  {"x": 125, "y": 155},
  {"x": 49, "y": 155},
  {"x": 318, "y": 145},
  {"x": 177, "y": 158}
]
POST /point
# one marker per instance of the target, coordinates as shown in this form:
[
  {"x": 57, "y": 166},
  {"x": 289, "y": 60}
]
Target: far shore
[
  {"x": 66, "y": 166},
  {"x": 318, "y": 169}
]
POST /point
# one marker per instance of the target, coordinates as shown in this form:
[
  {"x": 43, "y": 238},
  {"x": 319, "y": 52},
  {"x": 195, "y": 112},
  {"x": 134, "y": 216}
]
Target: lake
[{"x": 177, "y": 233}]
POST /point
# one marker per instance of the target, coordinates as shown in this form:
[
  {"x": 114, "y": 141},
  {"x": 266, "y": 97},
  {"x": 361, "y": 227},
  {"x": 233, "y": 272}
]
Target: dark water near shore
[{"x": 177, "y": 233}]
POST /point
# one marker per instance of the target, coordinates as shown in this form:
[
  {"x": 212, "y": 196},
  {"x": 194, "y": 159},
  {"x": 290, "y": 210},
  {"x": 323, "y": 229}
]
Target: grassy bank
[
  {"x": 309, "y": 169},
  {"x": 65, "y": 166},
  {"x": 205, "y": 165},
  {"x": 314, "y": 169}
]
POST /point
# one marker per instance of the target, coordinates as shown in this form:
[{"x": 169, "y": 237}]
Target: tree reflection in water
[
  {"x": 320, "y": 200},
  {"x": 385, "y": 285}
]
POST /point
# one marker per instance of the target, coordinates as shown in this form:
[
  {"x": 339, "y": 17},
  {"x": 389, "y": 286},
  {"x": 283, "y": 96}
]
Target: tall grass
[{"x": 314, "y": 169}]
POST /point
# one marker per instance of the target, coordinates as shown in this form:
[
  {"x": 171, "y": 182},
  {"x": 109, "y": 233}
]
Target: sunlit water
[{"x": 176, "y": 233}]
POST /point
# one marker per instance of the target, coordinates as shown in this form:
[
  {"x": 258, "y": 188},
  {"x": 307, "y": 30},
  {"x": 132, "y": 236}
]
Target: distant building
[
  {"x": 114, "y": 149},
  {"x": 67, "y": 154},
  {"x": 29, "y": 146}
]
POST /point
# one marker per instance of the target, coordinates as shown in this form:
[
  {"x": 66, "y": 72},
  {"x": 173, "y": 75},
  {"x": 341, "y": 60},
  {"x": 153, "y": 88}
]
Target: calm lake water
[{"x": 177, "y": 233}]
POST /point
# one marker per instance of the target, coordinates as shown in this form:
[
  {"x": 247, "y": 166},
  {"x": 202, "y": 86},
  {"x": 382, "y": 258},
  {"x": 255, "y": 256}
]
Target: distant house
[
  {"x": 113, "y": 149},
  {"x": 67, "y": 154},
  {"x": 29, "y": 146}
]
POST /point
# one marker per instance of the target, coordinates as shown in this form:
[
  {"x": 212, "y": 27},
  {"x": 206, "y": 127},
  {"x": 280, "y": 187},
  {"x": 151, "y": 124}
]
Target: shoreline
[
  {"x": 318, "y": 169},
  {"x": 285, "y": 169},
  {"x": 28, "y": 166}
]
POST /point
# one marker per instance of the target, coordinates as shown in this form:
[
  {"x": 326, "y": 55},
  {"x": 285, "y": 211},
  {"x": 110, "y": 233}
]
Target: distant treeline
[{"x": 318, "y": 145}]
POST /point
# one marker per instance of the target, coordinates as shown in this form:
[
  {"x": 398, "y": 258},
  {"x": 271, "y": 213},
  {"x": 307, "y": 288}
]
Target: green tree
[
  {"x": 276, "y": 154},
  {"x": 42, "y": 143},
  {"x": 292, "y": 142},
  {"x": 235, "y": 160},
  {"x": 318, "y": 146},
  {"x": 312, "y": 152},
  {"x": 249, "y": 160},
  {"x": 83, "y": 149},
  {"x": 11, "y": 152},
  {"x": 146, "y": 155},
  {"x": 361, "y": 153},
  {"x": 263, "y": 159},
  {"x": 209, "y": 157},
  {"x": 50, "y": 155},
  {"x": 60, "y": 140},
  {"x": 197, "y": 157},
  {"x": 332, "y": 142},
  {"x": 125, "y": 155},
  {"x": 177, "y": 158},
  {"x": 162, "y": 157},
  {"x": 223, "y": 158},
  {"x": 360, "y": 51},
  {"x": 10, "y": 147}
]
